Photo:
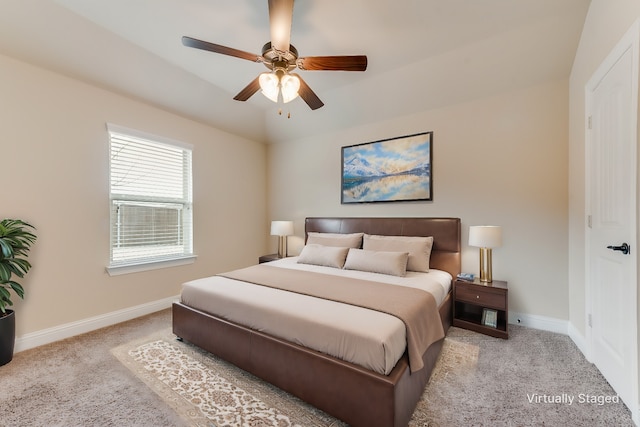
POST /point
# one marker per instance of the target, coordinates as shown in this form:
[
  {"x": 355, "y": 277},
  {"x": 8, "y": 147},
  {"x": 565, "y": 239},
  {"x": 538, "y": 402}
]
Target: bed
[{"x": 358, "y": 395}]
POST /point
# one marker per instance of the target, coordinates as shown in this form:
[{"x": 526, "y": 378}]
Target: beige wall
[
  {"x": 500, "y": 160},
  {"x": 607, "y": 21},
  {"x": 54, "y": 168}
]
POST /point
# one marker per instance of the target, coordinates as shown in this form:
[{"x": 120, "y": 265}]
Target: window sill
[{"x": 117, "y": 270}]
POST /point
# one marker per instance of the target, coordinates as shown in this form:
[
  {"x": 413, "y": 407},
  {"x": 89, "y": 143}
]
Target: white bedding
[{"x": 365, "y": 337}]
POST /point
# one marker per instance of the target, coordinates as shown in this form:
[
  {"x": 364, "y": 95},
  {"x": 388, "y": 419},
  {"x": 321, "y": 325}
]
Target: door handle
[{"x": 624, "y": 248}]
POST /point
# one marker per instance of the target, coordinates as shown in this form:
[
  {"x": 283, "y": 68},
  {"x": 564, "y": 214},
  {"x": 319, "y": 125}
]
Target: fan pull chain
[{"x": 280, "y": 113}]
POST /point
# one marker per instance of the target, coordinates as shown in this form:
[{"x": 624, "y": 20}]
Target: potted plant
[{"x": 16, "y": 239}]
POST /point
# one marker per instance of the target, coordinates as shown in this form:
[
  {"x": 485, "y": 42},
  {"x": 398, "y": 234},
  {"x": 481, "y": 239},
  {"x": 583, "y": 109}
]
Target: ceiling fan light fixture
[
  {"x": 269, "y": 83},
  {"x": 281, "y": 58},
  {"x": 290, "y": 86}
]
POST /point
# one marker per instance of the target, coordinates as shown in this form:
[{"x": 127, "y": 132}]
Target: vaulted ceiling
[{"x": 422, "y": 54}]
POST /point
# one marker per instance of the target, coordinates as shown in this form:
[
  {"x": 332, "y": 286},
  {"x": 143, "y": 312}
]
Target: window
[{"x": 150, "y": 198}]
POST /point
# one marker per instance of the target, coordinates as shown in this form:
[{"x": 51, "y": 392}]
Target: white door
[{"x": 611, "y": 100}]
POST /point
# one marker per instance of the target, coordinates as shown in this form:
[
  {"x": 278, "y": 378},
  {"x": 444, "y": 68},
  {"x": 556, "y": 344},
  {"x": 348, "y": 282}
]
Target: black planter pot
[{"x": 7, "y": 337}]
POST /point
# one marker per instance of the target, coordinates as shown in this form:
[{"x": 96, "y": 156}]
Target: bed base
[{"x": 325, "y": 382}]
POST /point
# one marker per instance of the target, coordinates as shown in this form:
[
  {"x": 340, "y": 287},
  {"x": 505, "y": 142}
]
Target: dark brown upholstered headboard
[{"x": 447, "y": 246}]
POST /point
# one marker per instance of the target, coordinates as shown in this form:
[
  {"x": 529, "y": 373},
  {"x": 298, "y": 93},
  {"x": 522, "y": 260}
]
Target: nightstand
[
  {"x": 267, "y": 258},
  {"x": 474, "y": 304}
]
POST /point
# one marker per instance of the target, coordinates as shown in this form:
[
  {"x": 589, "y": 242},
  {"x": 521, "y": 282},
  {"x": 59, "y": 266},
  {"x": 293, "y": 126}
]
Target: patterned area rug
[{"x": 207, "y": 391}]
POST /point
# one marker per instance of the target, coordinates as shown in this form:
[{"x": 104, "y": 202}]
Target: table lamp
[
  {"x": 282, "y": 229},
  {"x": 485, "y": 237}
]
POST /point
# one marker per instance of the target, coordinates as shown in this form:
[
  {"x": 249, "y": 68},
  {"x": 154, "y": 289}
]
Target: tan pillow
[
  {"x": 419, "y": 248},
  {"x": 352, "y": 240},
  {"x": 393, "y": 263},
  {"x": 328, "y": 256}
]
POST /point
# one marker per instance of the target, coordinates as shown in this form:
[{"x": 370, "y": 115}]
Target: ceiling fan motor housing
[{"x": 277, "y": 59}]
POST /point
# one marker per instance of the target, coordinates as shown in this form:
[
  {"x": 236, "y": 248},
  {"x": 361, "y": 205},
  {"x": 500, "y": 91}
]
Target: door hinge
[
  {"x": 589, "y": 123},
  {"x": 589, "y": 224},
  {"x": 589, "y": 320}
]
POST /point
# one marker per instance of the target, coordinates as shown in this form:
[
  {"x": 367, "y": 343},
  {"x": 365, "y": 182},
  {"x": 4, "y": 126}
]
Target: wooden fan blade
[
  {"x": 308, "y": 95},
  {"x": 280, "y": 16},
  {"x": 216, "y": 48},
  {"x": 333, "y": 63},
  {"x": 249, "y": 90}
]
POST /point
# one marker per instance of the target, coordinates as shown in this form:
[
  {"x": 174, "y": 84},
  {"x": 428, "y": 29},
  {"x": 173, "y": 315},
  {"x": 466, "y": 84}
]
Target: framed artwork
[
  {"x": 390, "y": 170},
  {"x": 490, "y": 317}
]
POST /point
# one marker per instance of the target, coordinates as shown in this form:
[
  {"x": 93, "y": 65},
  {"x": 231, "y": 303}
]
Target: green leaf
[
  {"x": 5, "y": 273},
  {"x": 17, "y": 288},
  {"x": 13, "y": 268},
  {"x": 6, "y": 249},
  {"x": 21, "y": 265}
]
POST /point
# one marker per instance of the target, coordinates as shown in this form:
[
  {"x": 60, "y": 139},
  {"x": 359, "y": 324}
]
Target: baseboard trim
[
  {"x": 539, "y": 322},
  {"x": 57, "y": 333},
  {"x": 580, "y": 341},
  {"x": 553, "y": 325}
]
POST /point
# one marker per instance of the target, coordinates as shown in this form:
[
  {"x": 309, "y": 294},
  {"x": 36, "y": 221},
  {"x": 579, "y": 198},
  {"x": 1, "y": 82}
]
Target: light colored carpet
[
  {"x": 77, "y": 382},
  {"x": 496, "y": 389},
  {"x": 136, "y": 374}
]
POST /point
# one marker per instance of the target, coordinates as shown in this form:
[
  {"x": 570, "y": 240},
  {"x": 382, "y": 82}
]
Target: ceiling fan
[{"x": 281, "y": 58}]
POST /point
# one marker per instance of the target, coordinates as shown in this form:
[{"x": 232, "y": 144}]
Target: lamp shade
[
  {"x": 289, "y": 87},
  {"x": 281, "y": 228},
  {"x": 485, "y": 236},
  {"x": 269, "y": 84}
]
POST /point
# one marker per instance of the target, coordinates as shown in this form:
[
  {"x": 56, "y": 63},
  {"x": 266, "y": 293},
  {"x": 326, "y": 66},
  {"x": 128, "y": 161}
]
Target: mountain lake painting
[{"x": 391, "y": 170}]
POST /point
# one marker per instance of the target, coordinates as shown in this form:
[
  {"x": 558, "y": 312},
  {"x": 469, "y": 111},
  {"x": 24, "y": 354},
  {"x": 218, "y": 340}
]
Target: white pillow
[
  {"x": 328, "y": 256},
  {"x": 352, "y": 240},
  {"x": 419, "y": 248},
  {"x": 392, "y": 263}
]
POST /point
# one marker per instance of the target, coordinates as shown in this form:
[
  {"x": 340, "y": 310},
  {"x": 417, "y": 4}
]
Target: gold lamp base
[
  {"x": 485, "y": 265},
  {"x": 282, "y": 246}
]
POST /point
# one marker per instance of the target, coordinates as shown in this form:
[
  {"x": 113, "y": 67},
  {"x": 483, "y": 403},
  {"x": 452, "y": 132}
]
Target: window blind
[{"x": 150, "y": 197}]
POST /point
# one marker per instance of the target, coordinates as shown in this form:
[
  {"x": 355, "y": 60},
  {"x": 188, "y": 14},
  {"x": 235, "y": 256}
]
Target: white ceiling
[{"x": 422, "y": 53}]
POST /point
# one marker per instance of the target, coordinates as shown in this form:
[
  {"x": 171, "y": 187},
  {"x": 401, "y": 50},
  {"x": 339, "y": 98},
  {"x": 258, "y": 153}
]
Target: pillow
[
  {"x": 419, "y": 248},
  {"x": 328, "y": 256},
  {"x": 353, "y": 240},
  {"x": 392, "y": 263}
]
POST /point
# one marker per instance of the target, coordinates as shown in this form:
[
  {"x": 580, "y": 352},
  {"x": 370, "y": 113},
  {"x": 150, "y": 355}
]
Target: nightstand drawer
[{"x": 483, "y": 297}]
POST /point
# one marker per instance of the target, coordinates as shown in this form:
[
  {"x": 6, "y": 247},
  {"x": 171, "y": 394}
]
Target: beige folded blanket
[{"x": 415, "y": 307}]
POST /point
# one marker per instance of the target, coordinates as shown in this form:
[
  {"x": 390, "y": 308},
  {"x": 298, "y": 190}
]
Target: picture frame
[
  {"x": 490, "y": 317},
  {"x": 389, "y": 170}
]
